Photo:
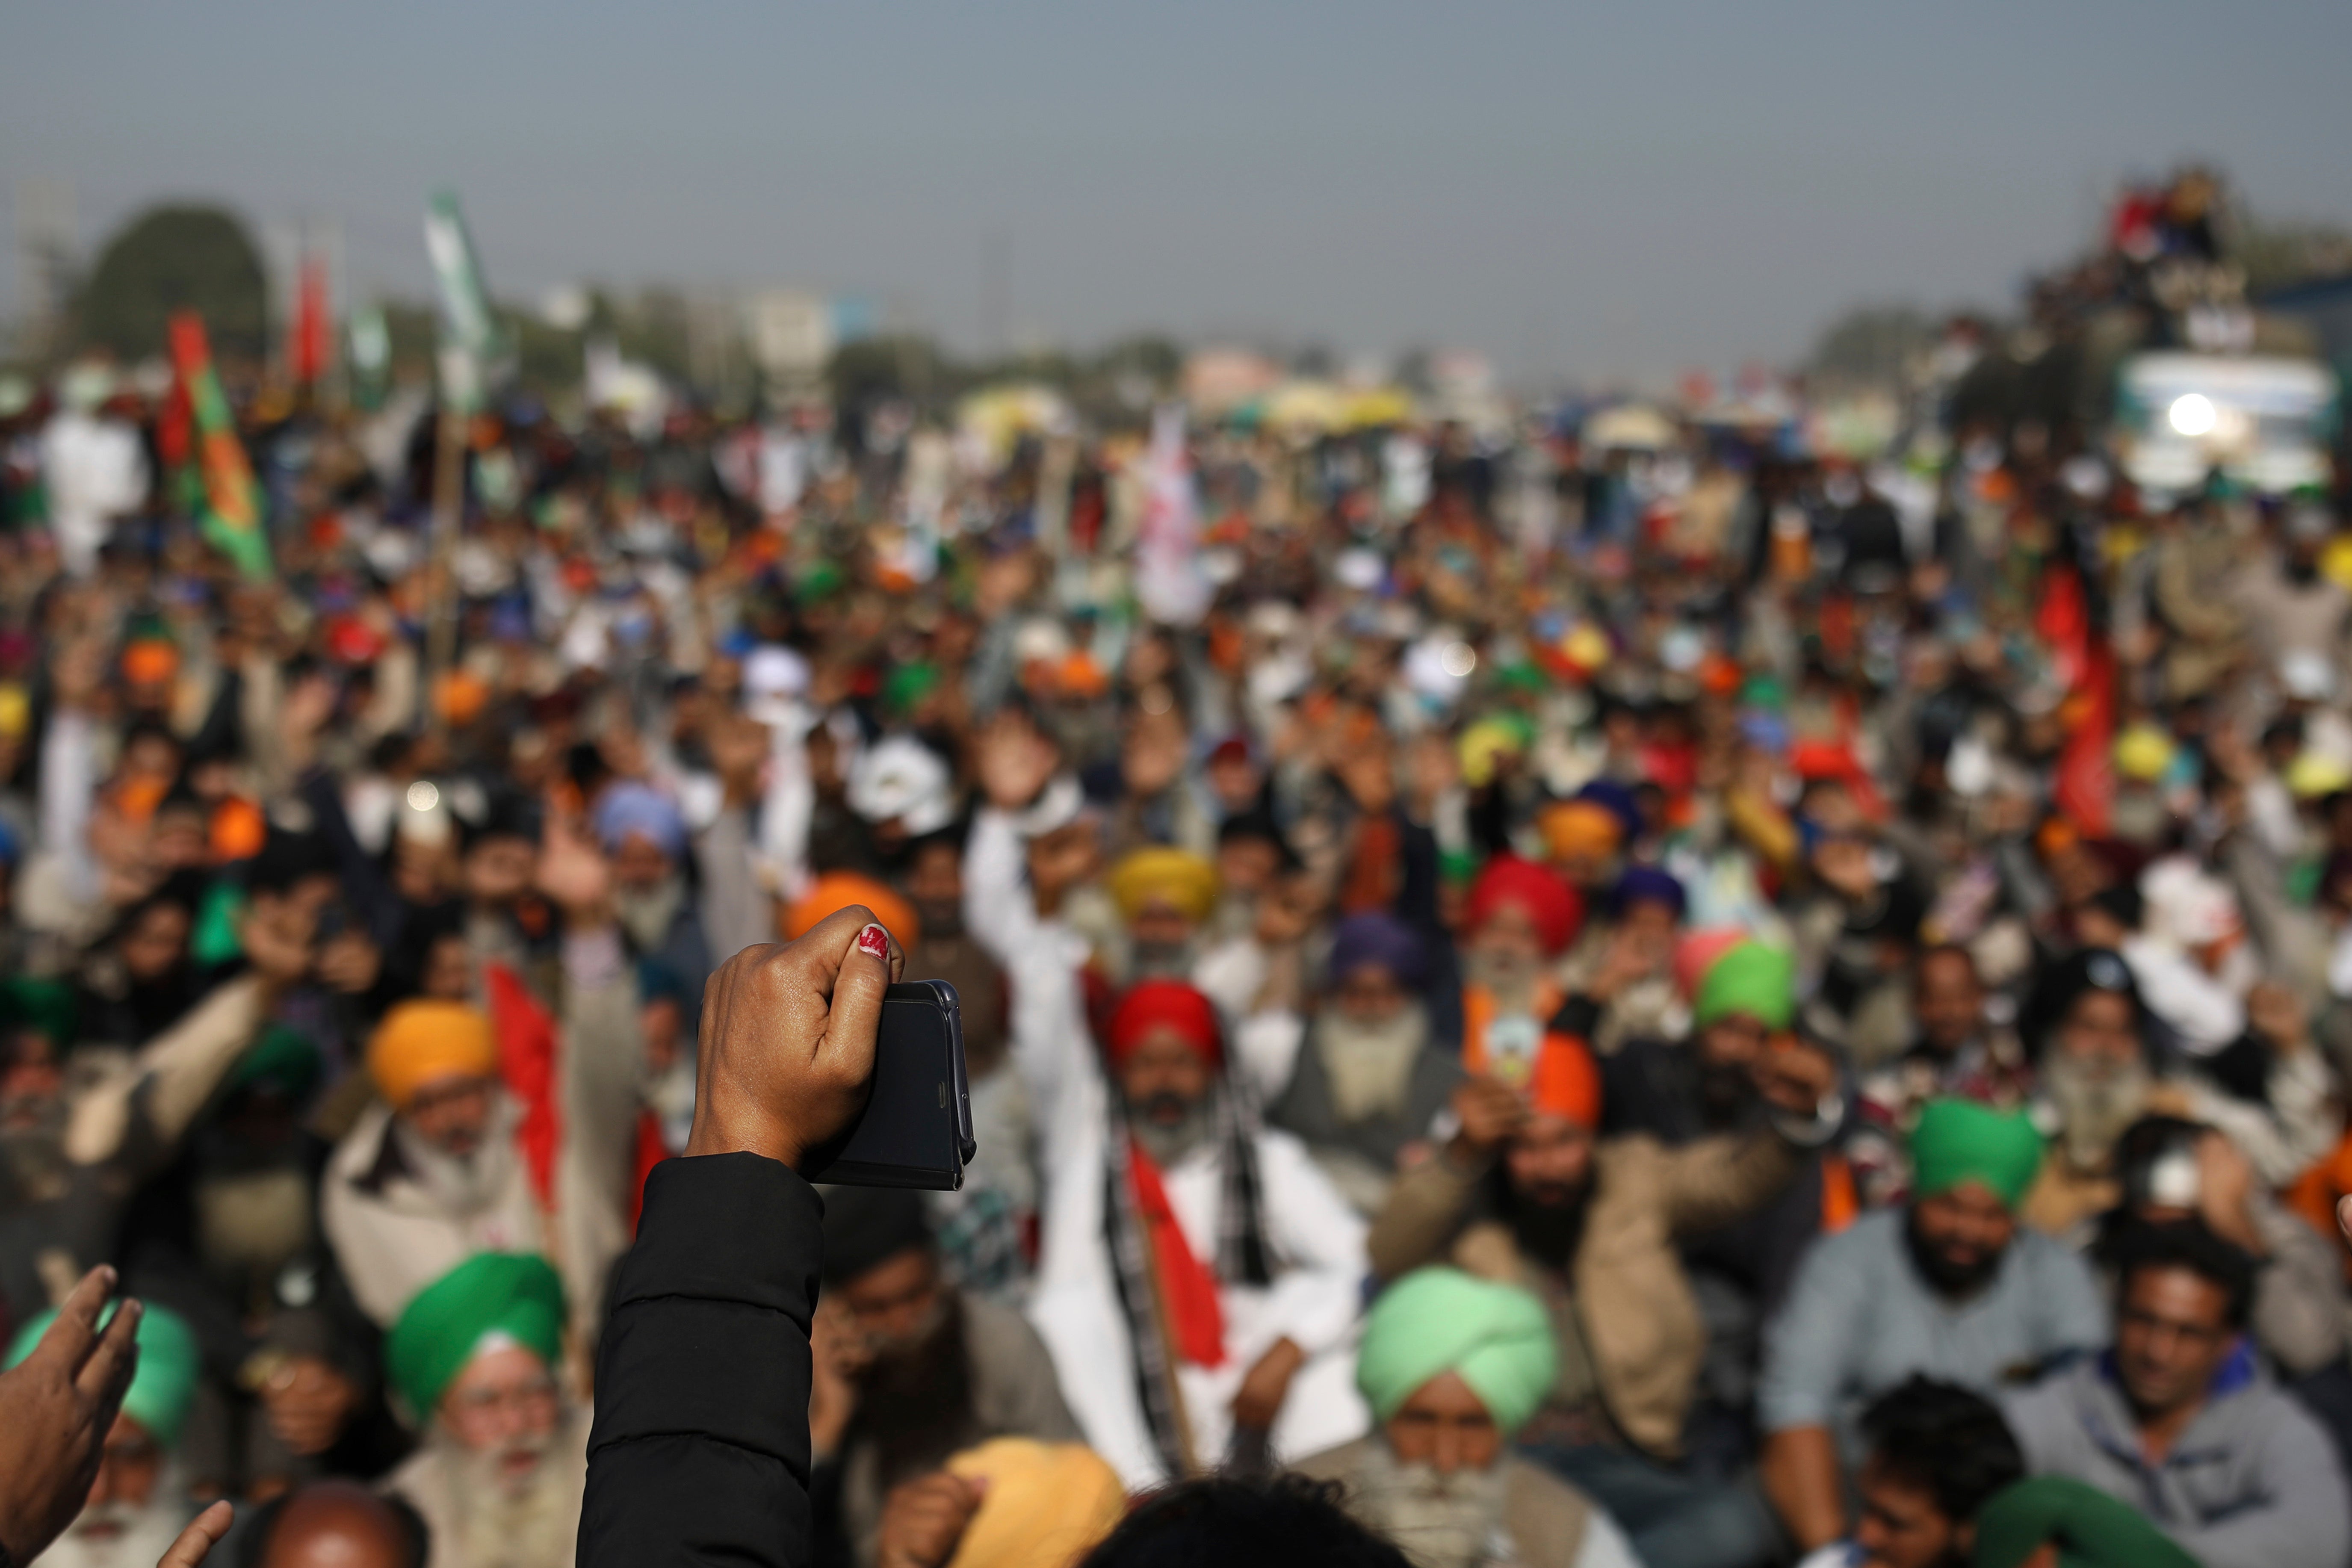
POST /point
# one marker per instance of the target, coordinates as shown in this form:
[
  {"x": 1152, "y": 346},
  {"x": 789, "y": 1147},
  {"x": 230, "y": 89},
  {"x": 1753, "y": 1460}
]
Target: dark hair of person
[
  {"x": 287, "y": 858},
  {"x": 1285, "y": 1521},
  {"x": 2188, "y": 1244},
  {"x": 255, "y": 1528},
  {"x": 1945, "y": 1441}
]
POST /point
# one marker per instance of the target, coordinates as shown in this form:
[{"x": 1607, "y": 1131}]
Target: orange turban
[
  {"x": 1563, "y": 1081},
  {"x": 238, "y": 830},
  {"x": 836, "y": 890},
  {"x": 149, "y": 661},
  {"x": 1049, "y": 1504},
  {"x": 1567, "y": 1082},
  {"x": 421, "y": 1043},
  {"x": 1573, "y": 828}
]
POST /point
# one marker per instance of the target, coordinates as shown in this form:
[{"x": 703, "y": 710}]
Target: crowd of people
[{"x": 1688, "y": 1004}]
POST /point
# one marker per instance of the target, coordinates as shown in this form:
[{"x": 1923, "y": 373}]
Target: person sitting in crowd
[
  {"x": 505, "y": 1131},
  {"x": 1165, "y": 896},
  {"x": 1517, "y": 919},
  {"x": 1950, "y": 1285},
  {"x": 909, "y": 1368},
  {"x": 1620, "y": 975},
  {"x": 2182, "y": 1421},
  {"x": 477, "y": 1359},
  {"x": 432, "y": 1174},
  {"x": 80, "y": 1136},
  {"x": 2096, "y": 1073},
  {"x": 140, "y": 1502},
  {"x": 1958, "y": 1054},
  {"x": 1453, "y": 1366},
  {"x": 230, "y": 1238},
  {"x": 1680, "y": 1091},
  {"x": 1937, "y": 1453},
  {"x": 1366, "y": 1087},
  {"x": 644, "y": 834},
  {"x": 1522, "y": 1192},
  {"x": 1199, "y": 1276},
  {"x": 2176, "y": 1172}
]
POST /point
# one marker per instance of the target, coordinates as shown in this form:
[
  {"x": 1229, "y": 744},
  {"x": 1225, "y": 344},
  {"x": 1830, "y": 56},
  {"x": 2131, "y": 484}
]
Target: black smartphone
[{"x": 916, "y": 1129}]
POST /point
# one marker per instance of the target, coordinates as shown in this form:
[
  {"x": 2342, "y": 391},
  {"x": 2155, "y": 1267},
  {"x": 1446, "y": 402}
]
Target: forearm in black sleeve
[{"x": 700, "y": 1451}]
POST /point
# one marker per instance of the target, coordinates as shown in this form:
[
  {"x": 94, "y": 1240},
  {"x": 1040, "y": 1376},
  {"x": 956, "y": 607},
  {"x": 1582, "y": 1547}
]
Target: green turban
[
  {"x": 1749, "y": 978},
  {"x": 44, "y": 1007},
  {"x": 1959, "y": 1141},
  {"x": 162, "y": 1387},
  {"x": 906, "y": 685},
  {"x": 1434, "y": 1321},
  {"x": 510, "y": 1293},
  {"x": 2090, "y": 1529},
  {"x": 282, "y": 1061}
]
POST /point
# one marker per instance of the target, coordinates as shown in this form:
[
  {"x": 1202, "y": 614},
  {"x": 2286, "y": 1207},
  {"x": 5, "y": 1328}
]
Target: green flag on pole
[{"x": 471, "y": 345}]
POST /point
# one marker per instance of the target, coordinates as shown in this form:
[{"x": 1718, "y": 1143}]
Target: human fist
[
  {"x": 1795, "y": 1076},
  {"x": 786, "y": 1056},
  {"x": 1490, "y": 1110},
  {"x": 923, "y": 1519}
]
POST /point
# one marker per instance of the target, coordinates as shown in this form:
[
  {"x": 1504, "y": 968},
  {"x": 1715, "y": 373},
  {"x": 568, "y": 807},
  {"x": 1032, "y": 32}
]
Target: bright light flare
[{"x": 2193, "y": 414}]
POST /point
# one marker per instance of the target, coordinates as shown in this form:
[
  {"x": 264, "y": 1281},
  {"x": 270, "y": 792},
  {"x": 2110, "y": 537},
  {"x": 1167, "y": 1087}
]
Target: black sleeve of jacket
[{"x": 700, "y": 1451}]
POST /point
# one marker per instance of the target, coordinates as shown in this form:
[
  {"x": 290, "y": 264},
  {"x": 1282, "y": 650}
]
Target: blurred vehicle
[{"x": 2264, "y": 422}]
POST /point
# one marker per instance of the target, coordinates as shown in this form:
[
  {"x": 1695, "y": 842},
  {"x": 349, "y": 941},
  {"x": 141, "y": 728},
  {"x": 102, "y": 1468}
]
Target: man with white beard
[
  {"x": 137, "y": 1505},
  {"x": 499, "y": 1479},
  {"x": 1452, "y": 1366},
  {"x": 2088, "y": 1022},
  {"x": 1366, "y": 1087},
  {"x": 432, "y": 1176}
]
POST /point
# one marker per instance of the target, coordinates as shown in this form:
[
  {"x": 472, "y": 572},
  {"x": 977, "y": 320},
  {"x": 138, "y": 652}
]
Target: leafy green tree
[{"x": 171, "y": 259}]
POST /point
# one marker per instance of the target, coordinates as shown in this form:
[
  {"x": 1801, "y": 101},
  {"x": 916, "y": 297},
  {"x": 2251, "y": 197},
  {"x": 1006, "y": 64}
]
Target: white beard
[
  {"x": 1370, "y": 1065},
  {"x": 470, "y": 1185},
  {"x": 2096, "y": 1103},
  {"x": 147, "y": 1533},
  {"x": 503, "y": 1524},
  {"x": 1438, "y": 1521}
]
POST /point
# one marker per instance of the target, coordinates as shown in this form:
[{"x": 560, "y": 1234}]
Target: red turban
[
  {"x": 1557, "y": 909},
  {"x": 1150, "y": 1005}
]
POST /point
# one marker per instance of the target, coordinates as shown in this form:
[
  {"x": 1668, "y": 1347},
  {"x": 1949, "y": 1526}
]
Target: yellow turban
[
  {"x": 422, "y": 1042},
  {"x": 1574, "y": 827},
  {"x": 1161, "y": 875},
  {"x": 1049, "y": 1504}
]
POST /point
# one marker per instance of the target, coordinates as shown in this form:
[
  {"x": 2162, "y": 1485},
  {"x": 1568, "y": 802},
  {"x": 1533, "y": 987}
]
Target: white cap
[{"x": 902, "y": 780}]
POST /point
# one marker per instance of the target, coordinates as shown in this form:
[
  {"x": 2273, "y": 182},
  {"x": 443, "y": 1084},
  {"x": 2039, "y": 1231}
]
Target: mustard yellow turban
[{"x": 422, "y": 1042}]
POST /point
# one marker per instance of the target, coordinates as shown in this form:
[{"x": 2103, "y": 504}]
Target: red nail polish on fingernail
[{"x": 876, "y": 941}]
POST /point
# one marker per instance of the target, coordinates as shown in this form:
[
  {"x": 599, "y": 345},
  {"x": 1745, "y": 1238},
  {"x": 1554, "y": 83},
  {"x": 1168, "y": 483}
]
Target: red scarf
[{"x": 1188, "y": 1287}]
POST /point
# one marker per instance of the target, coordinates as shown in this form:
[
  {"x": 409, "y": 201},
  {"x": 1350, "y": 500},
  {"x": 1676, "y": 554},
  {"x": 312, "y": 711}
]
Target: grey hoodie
[{"x": 2253, "y": 1483}]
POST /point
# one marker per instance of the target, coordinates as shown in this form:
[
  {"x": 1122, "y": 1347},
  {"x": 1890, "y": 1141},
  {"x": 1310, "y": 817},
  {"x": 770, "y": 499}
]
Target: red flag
[
  {"x": 2063, "y": 621},
  {"x": 527, "y": 1047},
  {"x": 2085, "y": 790},
  {"x": 306, "y": 344}
]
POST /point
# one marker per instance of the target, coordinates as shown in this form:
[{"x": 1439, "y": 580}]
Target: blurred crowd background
[{"x": 1722, "y": 979}]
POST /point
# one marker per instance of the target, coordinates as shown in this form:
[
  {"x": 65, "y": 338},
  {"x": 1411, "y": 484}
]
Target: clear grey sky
[{"x": 1580, "y": 190}]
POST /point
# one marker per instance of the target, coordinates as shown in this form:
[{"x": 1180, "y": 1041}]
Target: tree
[
  {"x": 1869, "y": 345},
  {"x": 2282, "y": 254},
  {"x": 174, "y": 258}
]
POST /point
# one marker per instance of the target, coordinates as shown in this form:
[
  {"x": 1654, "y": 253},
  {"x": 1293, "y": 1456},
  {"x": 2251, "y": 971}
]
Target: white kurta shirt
[{"x": 1316, "y": 1239}]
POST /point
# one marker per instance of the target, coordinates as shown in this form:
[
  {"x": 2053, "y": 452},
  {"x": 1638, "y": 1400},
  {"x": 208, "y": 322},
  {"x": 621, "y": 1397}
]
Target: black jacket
[{"x": 700, "y": 1451}]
